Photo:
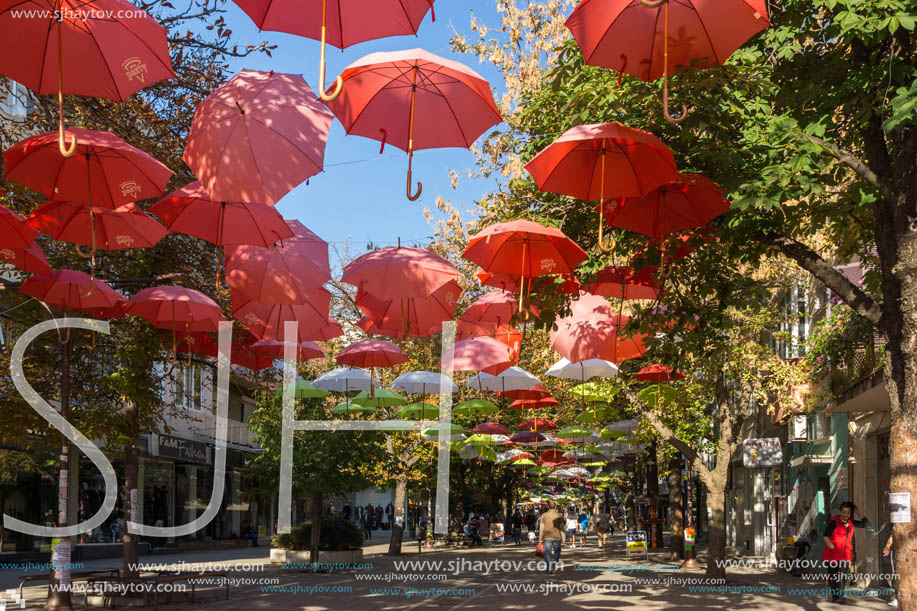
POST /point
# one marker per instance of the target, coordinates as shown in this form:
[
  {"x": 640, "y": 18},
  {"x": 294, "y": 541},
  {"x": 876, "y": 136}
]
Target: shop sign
[
  {"x": 636, "y": 543},
  {"x": 184, "y": 450},
  {"x": 799, "y": 430},
  {"x": 764, "y": 452}
]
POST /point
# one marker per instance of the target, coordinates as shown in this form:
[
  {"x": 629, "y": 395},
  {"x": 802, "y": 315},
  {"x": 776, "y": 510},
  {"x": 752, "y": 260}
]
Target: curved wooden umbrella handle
[
  {"x": 62, "y": 138},
  {"x": 665, "y": 107},
  {"x": 413, "y": 197},
  {"x": 653, "y": 3},
  {"x": 339, "y": 82},
  {"x": 613, "y": 242}
]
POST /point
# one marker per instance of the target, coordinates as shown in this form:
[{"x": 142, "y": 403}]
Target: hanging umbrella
[
  {"x": 328, "y": 331},
  {"x": 423, "y": 383},
  {"x": 242, "y": 355},
  {"x": 70, "y": 290},
  {"x": 109, "y": 229},
  {"x": 583, "y": 370},
  {"x": 536, "y": 424},
  {"x": 269, "y": 321},
  {"x": 455, "y": 432},
  {"x": 534, "y": 403},
  {"x": 31, "y": 260},
  {"x": 415, "y": 100},
  {"x": 275, "y": 349},
  {"x": 688, "y": 202},
  {"x": 553, "y": 456},
  {"x": 343, "y": 379},
  {"x": 592, "y": 331},
  {"x": 477, "y": 354},
  {"x": 340, "y": 24},
  {"x": 477, "y": 452},
  {"x": 624, "y": 426},
  {"x": 418, "y": 411},
  {"x": 625, "y": 35},
  {"x": 475, "y": 407},
  {"x": 601, "y": 413},
  {"x": 534, "y": 393},
  {"x": 399, "y": 273},
  {"x": 510, "y": 336},
  {"x": 528, "y": 438},
  {"x": 14, "y": 232},
  {"x": 113, "y": 49},
  {"x": 548, "y": 284},
  {"x": 176, "y": 308},
  {"x": 304, "y": 389},
  {"x": 576, "y": 434},
  {"x": 371, "y": 353},
  {"x": 347, "y": 408},
  {"x": 490, "y": 428},
  {"x": 512, "y": 378},
  {"x": 413, "y": 316},
  {"x": 593, "y": 392},
  {"x": 525, "y": 249},
  {"x": 658, "y": 373},
  {"x": 257, "y": 137},
  {"x": 495, "y": 307},
  {"x": 592, "y": 162},
  {"x": 382, "y": 397},
  {"x": 624, "y": 283}
]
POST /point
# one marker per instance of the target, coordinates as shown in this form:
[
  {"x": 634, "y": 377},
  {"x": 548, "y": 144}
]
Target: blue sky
[{"x": 360, "y": 196}]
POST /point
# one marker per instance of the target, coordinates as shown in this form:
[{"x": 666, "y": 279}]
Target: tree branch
[
  {"x": 811, "y": 261},
  {"x": 664, "y": 431},
  {"x": 856, "y": 164}
]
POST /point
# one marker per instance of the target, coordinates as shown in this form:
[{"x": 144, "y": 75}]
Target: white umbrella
[
  {"x": 343, "y": 379},
  {"x": 513, "y": 378},
  {"x": 432, "y": 433},
  {"x": 423, "y": 382},
  {"x": 500, "y": 438},
  {"x": 578, "y": 454},
  {"x": 583, "y": 370},
  {"x": 624, "y": 426}
]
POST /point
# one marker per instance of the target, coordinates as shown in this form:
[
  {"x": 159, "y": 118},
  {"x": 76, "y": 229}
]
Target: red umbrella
[
  {"x": 288, "y": 272},
  {"x": 14, "y": 233},
  {"x": 31, "y": 260},
  {"x": 688, "y": 202},
  {"x": 658, "y": 373},
  {"x": 338, "y": 23},
  {"x": 112, "y": 48},
  {"x": 554, "y": 456},
  {"x": 399, "y": 273},
  {"x": 524, "y": 248},
  {"x": 69, "y": 290},
  {"x": 272, "y": 348},
  {"x": 534, "y": 403},
  {"x": 269, "y": 321},
  {"x": 197, "y": 342},
  {"x": 490, "y": 428},
  {"x": 110, "y": 229},
  {"x": 190, "y": 210},
  {"x": 624, "y": 283},
  {"x": 495, "y": 307},
  {"x": 328, "y": 331},
  {"x": 176, "y": 308},
  {"x": 390, "y": 94},
  {"x": 417, "y": 316},
  {"x": 521, "y": 455},
  {"x": 527, "y": 437},
  {"x": 257, "y": 137},
  {"x": 536, "y": 424},
  {"x": 478, "y": 354},
  {"x": 372, "y": 353},
  {"x": 592, "y": 331},
  {"x": 527, "y": 394},
  {"x": 625, "y": 35},
  {"x": 584, "y": 158},
  {"x": 541, "y": 285},
  {"x": 244, "y": 356}
]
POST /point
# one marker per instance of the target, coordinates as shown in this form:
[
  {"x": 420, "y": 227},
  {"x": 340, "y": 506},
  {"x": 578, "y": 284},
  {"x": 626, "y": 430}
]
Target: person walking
[
  {"x": 516, "y": 524},
  {"x": 551, "y": 535},
  {"x": 602, "y": 525},
  {"x": 583, "y": 523},
  {"x": 367, "y": 526},
  {"x": 887, "y": 551},
  {"x": 572, "y": 525},
  {"x": 838, "y": 552}
]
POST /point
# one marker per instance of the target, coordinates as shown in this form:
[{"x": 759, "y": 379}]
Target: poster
[
  {"x": 764, "y": 452},
  {"x": 689, "y": 539},
  {"x": 60, "y": 561},
  {"x": 900, "y": 507}
]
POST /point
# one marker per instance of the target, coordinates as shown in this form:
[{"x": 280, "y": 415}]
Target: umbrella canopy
[
  {"x": 372, "y": 353},
  {"x": 399, "y": 273},
  {"x": 418, "y": 411},
  {"x": 70, "y": 290},
  {"x": 110, "y": 229},
  {"x": 528, "y": 438},
  {"x": 274, "y": 349},
  {"x": 593, "y": 392},
  {"x": 176, "y": 308},
  {"x": 524, "y": 249},
  {"x": 600, "y": 413},
  {"x": 536, "y": 424},
  {"x": 592, "y": 331},
  {"x": 343, "y": 379},
  {"x": 511, "y": 336},
  {"x": 269, "y": 321},
  {"x": 534, "y": 393},
  {"x": 602, "y": 160},
  {"x": 624, "y": 283},
  {"x": 512, "y": 378},
  {"x": 624, "y": 426},
  {"x": 455, "y": 432},
  {"x": 688, "y": 202},
  {"x": 104, "y": 171},
  {"x": 382, "y": 397},
  {"x": 257, "y": 137},
  {"x": 304, "y": 389},
  {"x": 14, "y": 232},
  {"x": 413, "y": 316},
  {"x": 583, "y": 370},
  {"x": 415, "y": 100},
  {"x": 553, "y": 456},
  {"x": 495, "y": 307},
  {"x": 658, "y": 373},
  {"x": 477, "y": 452},
  {"x": 286, "y": 272},
  {"x": 534, "y": 403},
  {"x": 490, "y": 428},
  {"x": 576, "y": 434},
  {"x": 423, "y": 383},
  {"x": 31, "y": 260},
  {"x": 348, "y": 407},
  {"x": 475, "y": 407},
  {"x": 190, "y": 210},
  {"x": 477, "y": 354}
]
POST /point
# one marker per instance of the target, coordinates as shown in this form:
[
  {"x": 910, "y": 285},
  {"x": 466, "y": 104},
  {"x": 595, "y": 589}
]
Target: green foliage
[
  {"x": 336, "y": 535},
  {"x": 836, "y": 340}
]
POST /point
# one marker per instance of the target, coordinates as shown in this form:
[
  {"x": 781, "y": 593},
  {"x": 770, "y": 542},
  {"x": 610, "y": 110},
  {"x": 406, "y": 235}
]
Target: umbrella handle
[
  {"x": 665, "y": 106},
  {"x": 611, "y": 244},
  {"x": 61, "y": 134},
  {"x": 339, "y": 82},
  {"x": 653, "y": 3},
  {"x": 412, "y": 196},
  {"x": 65, "y": 151}
]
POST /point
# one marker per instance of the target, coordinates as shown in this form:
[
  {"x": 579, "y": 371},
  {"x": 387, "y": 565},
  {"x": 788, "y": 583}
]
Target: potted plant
[{"x": 339, "y": 542}]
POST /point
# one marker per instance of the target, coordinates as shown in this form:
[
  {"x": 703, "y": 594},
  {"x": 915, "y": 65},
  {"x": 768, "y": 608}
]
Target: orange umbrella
[
  {"x": 624, "y": 283},
  {"x": 415, "y": 100}
]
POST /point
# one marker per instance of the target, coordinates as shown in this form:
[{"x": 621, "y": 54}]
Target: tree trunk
[
  {"x": 401, "y": 489},
  {"x": 62, "y": 600},
  {"x": 677, "y": 516},
  {"x": 652, "y": 491},
  {"x": 716, "y": 535},
  {"x": 130, "y": 541},
  {"x": 317, "y": 512}
]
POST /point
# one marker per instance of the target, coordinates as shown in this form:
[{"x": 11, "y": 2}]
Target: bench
[
  {"x": 86, "y": 575},
  {"x": 161, "y": 577}
]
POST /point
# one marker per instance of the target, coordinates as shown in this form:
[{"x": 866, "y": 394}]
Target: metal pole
[{"x": 690, "y": 557}]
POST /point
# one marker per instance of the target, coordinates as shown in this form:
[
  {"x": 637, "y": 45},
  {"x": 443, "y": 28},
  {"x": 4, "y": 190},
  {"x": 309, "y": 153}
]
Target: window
[{"x": 191, "y": 386}]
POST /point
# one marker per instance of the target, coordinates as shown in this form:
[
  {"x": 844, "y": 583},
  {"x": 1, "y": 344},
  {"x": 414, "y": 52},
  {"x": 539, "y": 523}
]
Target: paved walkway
[{"x": 468, "y": 578}]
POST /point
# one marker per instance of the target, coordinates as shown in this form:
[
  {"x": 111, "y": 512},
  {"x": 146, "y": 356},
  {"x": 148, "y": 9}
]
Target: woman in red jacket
[{"x": 838, "y": 552}]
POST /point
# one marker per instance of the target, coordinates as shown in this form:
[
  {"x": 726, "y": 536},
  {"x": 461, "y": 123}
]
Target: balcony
[{"x": 861, "y": 365}]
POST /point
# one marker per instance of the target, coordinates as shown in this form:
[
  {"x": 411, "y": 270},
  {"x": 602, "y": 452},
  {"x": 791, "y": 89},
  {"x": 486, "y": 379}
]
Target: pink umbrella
[
  {"x": 496, "y": 307},
  {"x": 272, "y": 348},
  {"x": 176, "y": 308},
  {"x": 417, "y": 316},
  {"x": 372, "y": 353},
  {"x": 70, "y": 290},
  {"x": 399, "y": 273},
  {"x": 490, "y": 428},
  {"x": 591, "y": 331},
  {"x": 269, "y": 321},
  {"x": 31, "y": 260},
  {"x": 124, "y": 227},
  {"x": 328, "y": 331},
  {"x": 14, "y": 233},
  {"x": 257, "y": 137},
  {"x": 288, "y": 272},
  {"x": 478, "y": 354}
]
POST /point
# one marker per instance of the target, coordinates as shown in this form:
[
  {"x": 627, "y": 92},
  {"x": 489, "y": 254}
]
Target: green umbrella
[
  {"x": 474, "y": 407},
  {"x": 305, "y": 390},
  {"x": 658, "y": 393},
  {"x": 383, "y": 398},
  {"x": 598, "y": 414},
  {"x": 475, "y": 452},
  {"x": 525, "y": 462},
  {"x": 610, "y": 435},
  {"x": 456, "y": 433},
  {"x": 593, "y": 463},
  {"x": 595, "y": 392},
  {"x": 417, "y": 411},
  {"x": 348, "y": 407},
  {"x": 480, "y": 439},
  {"x": 573, "y": 432}
]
